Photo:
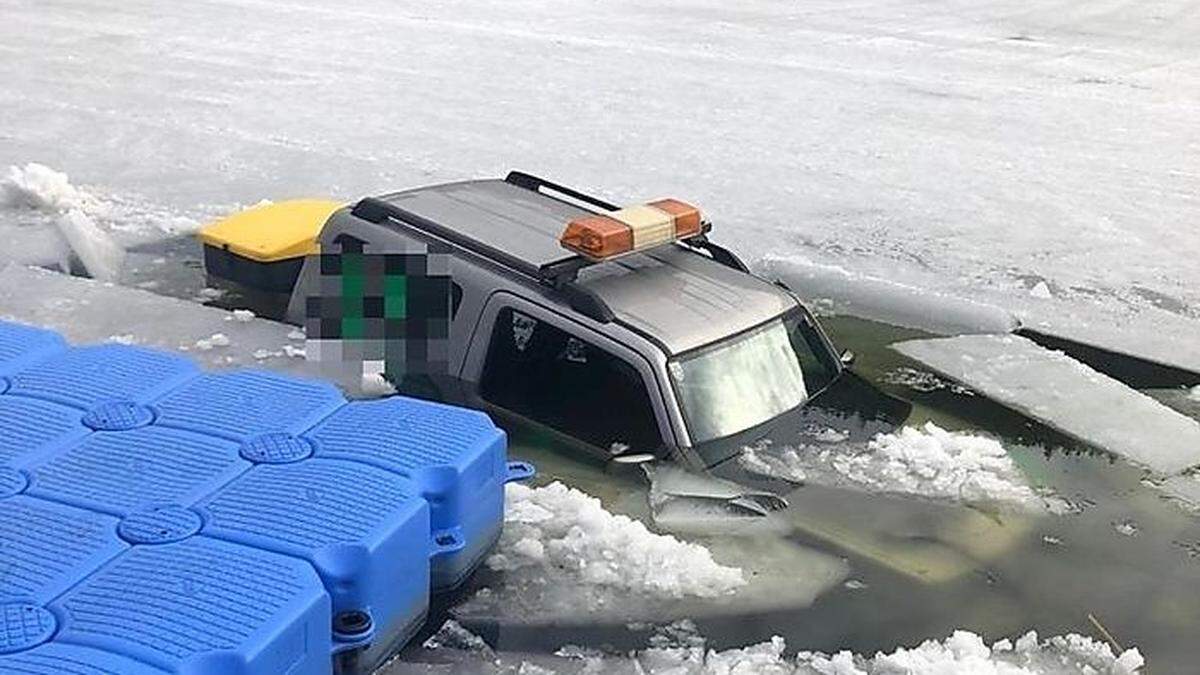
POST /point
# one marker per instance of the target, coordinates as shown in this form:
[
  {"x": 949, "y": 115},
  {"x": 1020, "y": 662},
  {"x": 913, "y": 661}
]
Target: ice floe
[
  {"x": 927, "y": 461},
  {"x": 1066, "y": 395}
]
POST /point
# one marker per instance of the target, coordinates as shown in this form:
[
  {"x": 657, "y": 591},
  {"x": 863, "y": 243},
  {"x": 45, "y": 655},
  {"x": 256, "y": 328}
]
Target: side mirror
[
  {"x": 634, "y": 458},
  {"x": 847, "y": 358}
]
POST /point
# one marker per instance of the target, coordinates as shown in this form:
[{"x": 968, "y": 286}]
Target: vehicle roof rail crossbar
[
  {"x": 719, "y": 253},
  {"x": 537, "y": 184},
  {"x": 375, "y": 210},
  {"x": 559, "y": 276},
  {"x": 585, "y": 301}
]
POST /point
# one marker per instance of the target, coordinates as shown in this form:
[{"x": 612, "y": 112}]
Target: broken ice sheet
[
  {"x": 1066, "y": 395},
  {"x": 564, "y": 558}
]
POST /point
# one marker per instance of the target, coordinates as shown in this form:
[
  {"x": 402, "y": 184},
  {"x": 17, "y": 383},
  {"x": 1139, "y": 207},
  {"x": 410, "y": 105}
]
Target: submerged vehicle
[{"x": 624, "y": 332}]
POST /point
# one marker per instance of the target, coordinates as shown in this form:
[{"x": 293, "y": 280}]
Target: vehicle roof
[
  {"x": 680, "y": 298},
  {"x": 522, "y": 223}
]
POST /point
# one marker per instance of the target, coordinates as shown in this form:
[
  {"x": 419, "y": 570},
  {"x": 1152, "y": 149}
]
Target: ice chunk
[
  {"x": 1041, "y": 290},
  {"x": 597, "y": 548},
  {"x": 887, "y": 301},
  {"x": 1066, "y": 395},
  {"x": 563, "y": 557},
  {"x": 36, "y": 186},
  {"x": 930, "y": 462},
  {"x": 1194, "y": 394}
]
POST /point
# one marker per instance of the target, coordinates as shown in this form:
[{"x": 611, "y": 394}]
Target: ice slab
[
  {"x": 1066, "y": 395},
  {"x": 843, "y": 292},
  {"x": 85, "y": 310}
]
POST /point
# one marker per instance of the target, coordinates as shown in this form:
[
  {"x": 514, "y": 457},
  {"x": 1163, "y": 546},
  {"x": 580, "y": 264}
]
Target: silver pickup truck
[{"x": 623, "y": 332}]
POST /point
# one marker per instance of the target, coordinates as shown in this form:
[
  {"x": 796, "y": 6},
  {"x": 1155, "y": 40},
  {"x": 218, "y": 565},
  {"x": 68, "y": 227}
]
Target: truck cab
[{"x": 649, "y": 342}]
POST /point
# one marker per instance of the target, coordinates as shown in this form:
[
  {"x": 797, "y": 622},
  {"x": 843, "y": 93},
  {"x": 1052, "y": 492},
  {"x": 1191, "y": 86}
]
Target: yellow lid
[{"x": 272, "y": 232}]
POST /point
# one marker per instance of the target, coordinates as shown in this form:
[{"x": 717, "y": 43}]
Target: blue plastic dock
[{"x": 156, "y": 519}]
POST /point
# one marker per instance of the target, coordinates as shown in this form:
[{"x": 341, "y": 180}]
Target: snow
[
  {"x": 1194, "y": 393},
  {"x": 678, "y": 650},
  {"x": 929, "y": 462},
  {"x": 1066, "y": 395},
  {"x": 556, "y": 529}
]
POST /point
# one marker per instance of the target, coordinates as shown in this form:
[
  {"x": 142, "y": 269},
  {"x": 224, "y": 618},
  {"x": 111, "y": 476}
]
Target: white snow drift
[
  {"x": 929, "y": 462},
  {"x": 559, "y": 531}
]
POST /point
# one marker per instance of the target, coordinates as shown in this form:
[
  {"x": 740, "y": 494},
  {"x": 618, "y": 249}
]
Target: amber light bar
[{"x": 633, "y": 228}]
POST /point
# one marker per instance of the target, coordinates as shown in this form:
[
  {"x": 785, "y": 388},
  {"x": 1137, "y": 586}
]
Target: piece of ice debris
[
  {"x": 965, "y": 652},
  {"x": 785, "y": 464},
  {"x": 1041, "y": 290},
  {"x": 453, "y": 636},
  {"x": 215, "y": 340},
  {"x": 100, "y": 254},
  {"x": 263, "y": 354},
  {"x": 242, "y": 315},
  {"x": 562, "y": 532},
  {"x": 888, "y": 301},
  {"x": 826, "y": 435},
  {"x": 1126, "y": 527},
  {"x": 294, "y": 352},
  {"x": 296, "y": 334},
  {"x": 930, "y": 462},
  {"x": 375, "y": 384},
  {"x": 1051, "y": 540},
  {"x": 1194, "y": 394},
  {"x": 123, "y": 339},
  {"x": 854, "y": 584},
  {"x": 38, "y": 187},
  {"x": 923, "y": 381},
  {"x": 1066, "y": 395},
  {"x": 158, "y": 261},
  {"x": 209, "y": 293}
]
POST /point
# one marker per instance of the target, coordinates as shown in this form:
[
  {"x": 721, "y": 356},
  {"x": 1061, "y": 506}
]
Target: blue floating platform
[{"x": 157, "y": 519}]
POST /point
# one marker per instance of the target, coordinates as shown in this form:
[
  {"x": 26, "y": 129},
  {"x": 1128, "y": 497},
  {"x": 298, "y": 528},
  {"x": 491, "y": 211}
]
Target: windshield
[{"x": 750, "y": 378}]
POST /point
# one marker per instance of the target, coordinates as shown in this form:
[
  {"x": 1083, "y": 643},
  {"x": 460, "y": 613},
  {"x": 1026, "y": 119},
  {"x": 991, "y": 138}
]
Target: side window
[{"x": 542, "y": 373}]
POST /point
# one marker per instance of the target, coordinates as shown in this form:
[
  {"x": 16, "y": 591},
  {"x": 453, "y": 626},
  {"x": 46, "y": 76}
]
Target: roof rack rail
[
  {"x": 537, "y": 184},
  {"x": 569, "y": 268},
  {"x": 558, "y": 275}
]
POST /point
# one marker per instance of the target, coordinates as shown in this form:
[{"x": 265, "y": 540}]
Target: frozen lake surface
[{"x": 972, "y": 163}]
